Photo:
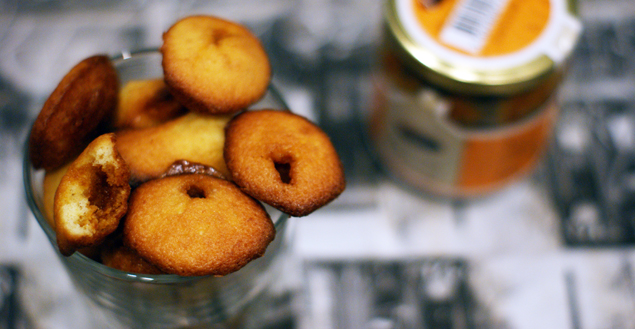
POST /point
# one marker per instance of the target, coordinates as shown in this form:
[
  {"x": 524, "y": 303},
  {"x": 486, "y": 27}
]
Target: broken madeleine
[{"x": 92, "y": 196}]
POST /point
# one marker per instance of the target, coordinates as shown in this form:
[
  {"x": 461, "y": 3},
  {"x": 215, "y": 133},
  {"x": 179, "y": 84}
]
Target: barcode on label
[{"x": 471, "y": 22}]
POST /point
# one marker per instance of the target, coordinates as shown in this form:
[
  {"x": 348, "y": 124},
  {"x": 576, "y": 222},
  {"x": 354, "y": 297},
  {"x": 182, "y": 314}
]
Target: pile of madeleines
[{"x": 170, "y": 175}]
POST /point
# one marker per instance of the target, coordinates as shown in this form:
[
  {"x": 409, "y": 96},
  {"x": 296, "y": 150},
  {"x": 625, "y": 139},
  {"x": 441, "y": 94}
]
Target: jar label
[{"x": 418, "y": 143}]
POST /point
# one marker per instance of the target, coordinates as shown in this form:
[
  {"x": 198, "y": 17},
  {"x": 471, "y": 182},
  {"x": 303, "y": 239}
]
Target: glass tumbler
[{"x": 130, "y": 300}]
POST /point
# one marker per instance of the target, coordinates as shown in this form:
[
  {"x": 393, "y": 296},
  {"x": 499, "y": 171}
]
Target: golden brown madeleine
[
  {"x": 92, "y": 196},
  {"x": 213, "y": 65},
  {"x": 284, "y": 160},
  {"x": 86, "y": 96},
  {"x": 146, "y": 103},
  {"x": 193, "y": 137},
  {"x": 194, "y": 225}
]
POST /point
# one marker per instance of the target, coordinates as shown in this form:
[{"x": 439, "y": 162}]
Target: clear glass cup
[{"x": 130, "y": 300}]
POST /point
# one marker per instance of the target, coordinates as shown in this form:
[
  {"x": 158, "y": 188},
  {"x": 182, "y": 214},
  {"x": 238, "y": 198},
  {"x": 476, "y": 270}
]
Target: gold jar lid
[{"x": 488, "y": 47}]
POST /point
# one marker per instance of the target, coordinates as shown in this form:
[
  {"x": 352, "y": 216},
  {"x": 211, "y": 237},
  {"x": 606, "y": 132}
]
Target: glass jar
[
  {"x": 130, "y": 300},
  {"x": 465, "y": 90}
]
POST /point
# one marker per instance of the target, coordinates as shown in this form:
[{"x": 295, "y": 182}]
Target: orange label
[
  {"x": 516, "y": 26},
  {"x": 490, "y": 160}
]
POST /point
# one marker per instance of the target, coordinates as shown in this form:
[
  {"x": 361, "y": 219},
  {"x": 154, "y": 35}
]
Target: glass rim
[{"x": 84, "y": 261}]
